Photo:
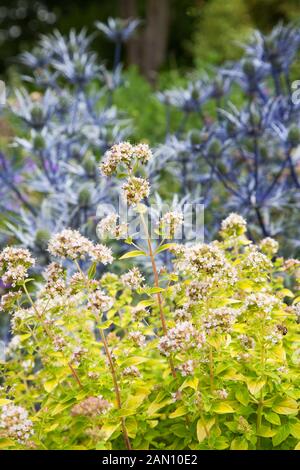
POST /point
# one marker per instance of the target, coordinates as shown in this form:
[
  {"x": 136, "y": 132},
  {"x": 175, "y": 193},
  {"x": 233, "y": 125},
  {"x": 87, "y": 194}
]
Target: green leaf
[
  {"x": 167, "y": 246},
  {"x": 287, "y": 406},
  {"x": 297, "y": 446},
  {"x": 239, "y": 443},
  {"x": 6, "y": 443},
  {"x": 272, "y": 417},
  {"x": 295, "y": 430},
  {"x": 134, "y": 361},
  {"x": 105, "y": 324},
  {"x": 133, "y": 254},
  {"x": 108, "y": 429},
  {"x": 223, "y": 408},
  {"x": 131, "y": 426},
  {"x": 281, "y": 435},
  {"x": 153, "y": 290},
  {"x": 146, "y": 303},
  {"x": 4, "y": 401},
  {"x": 180, "y": 411},
  {"x": 50, "y": 385},
  {"x": 221, "y": 443},
  {"x": 92, "y": 270},
  {"x": 155, "y": 407},
  {"x": 190, "y": 382},
  {"x": 242, "y": 396},
  {"x": 255, "y": 385},
  {"x": 133, "y": 402},
  {"x": 203, "y": 428},
  {"x": 266, "y": 431}
]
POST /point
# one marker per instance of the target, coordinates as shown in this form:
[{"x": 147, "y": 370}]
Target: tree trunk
[{"x": 149, "y": 48}]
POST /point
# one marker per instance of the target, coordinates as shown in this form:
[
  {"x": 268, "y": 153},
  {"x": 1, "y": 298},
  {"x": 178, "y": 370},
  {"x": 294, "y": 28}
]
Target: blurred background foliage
[
  {"x": 175, "y": 34},
  {"x": 175, "y": 38}
]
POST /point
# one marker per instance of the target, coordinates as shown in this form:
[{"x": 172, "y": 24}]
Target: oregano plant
[{"x": 200, "y": 353}]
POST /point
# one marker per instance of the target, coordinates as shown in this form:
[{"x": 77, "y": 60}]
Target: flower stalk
[{"x": 116, "y": 387}]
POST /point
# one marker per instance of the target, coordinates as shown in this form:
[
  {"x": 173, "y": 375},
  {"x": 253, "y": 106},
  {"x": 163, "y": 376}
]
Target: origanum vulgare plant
[{"x": 204, "y": 355}]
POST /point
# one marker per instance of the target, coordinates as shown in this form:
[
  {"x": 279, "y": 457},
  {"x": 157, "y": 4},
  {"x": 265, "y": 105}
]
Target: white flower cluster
[
  {"x": 296, "y": 310},
  {"x": 198, "y": 291},
  {"x": 99, "y": 302},
  {"x": 78, "y": 353},
  {"x": 183, "y": 314},
  {"x": 262, "y": 301},
  {"x": 14, "y": 264},
  {"x": 170, "y": 223},
  {"x": 187, "y": 368},
  {"x": 181, "y": 338},
  {"x": 274, "y": 337},
  {"x": 91, "y": 406},
  {"x": 269, "y": 246},
  {"x": 233, "y": 226},
  {"x": 255, "y": 260},
  {"x": 207, "y": 260},
  {"x": 222, "y": 393},
  {"x": 138, "y": 338},
  {"x": 125, "y": 154},
  {"x": 131, "y": 371},
  {"x": 108, "y": 227},
  {"x": 132, "y": 279},
  {"x": 71, "y": 244},
  {"x": 54, "y": 275},
  {"x": 246, "y": 341},
  {"x": 9, "y": 299},
  {"x": 15, "y": 423},
  {"x": 220, "y": 319},
  {"x": 135, "y": 189},
  {"x": 139, "y": 313},
  {"x": 101, "y": 254}
]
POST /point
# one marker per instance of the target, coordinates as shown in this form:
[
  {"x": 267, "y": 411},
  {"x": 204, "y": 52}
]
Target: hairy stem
[{"x": 116, "y": 387}]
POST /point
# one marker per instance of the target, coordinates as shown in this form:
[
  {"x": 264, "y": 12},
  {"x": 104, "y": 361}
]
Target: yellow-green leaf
[
  {"x": 203, "y": 428},
  {"x": 133, "y": 254},
  {"x": 295, "y": 430},
  {"x": 265, "y": 431},
  {"x": 239, "y": 443},
  {"x": 287, "y": 406},
  {"x": 155, "y": 407},
  {"x": 108, "y": 429},
  {"x": 6, "y": 443},
  {"x": 255, "y": 385},
  {"x": 50, "y": 385},
  {"x": 223, "y": 408},
  {"x": 4, "y": 401},
  {"x": 281, "y": 435},
  {"x": 167, "y": 246},
  {"x": 180, "y": 411},
  {"x": 191, "y": 382},
  {"x": 242, "y": 396}
]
